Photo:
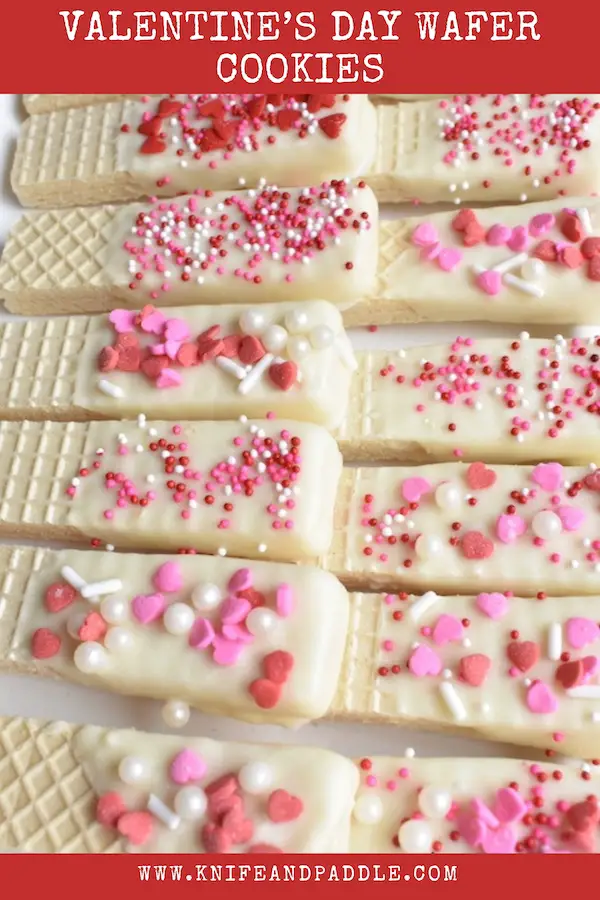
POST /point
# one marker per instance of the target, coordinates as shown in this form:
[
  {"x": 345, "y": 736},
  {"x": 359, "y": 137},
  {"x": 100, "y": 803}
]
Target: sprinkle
[
  {"x": 112, "y": 390},
  {"x": 555, "y": 641},
  {"x": 421, "y": 605},
  {"x": 231, "y": 367},
  {"x": 512, "y": 263},
  {"x": 527, "y": 287},
  {"x": 254, "y": 375},
  {"x": 159, "y": 809},
  {"x": 72, "y": 578},
  {"x": 101, "y": 588},
  {"x": 585, "y": 692},
  {"x": 453, "y": 701},
  {"x": 585, "y": 219}
]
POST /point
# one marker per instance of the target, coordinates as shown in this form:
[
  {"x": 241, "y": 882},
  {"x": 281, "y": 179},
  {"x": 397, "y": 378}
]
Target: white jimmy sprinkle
[
  {"x": 110, "y": 389},
  {"x": 101, "y": 588},
  {"x": 72, "y": 578}
]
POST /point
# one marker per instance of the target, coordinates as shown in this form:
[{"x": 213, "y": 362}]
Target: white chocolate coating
[{"x": 156, "y": 663}]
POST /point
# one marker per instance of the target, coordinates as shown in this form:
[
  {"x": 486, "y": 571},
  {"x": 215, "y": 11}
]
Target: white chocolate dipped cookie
[
  {"x": 245, "y": 247},
  {"x": 218, "y": 362},
  {"x": 257, "y": 489},
  {"x": 120, "y": 791},
  {"x": 454, "y": 527},
  {"x": 474, "y": 806},
  {"x": 162, "y": 146},
  {"x": 518, "y": 670}
]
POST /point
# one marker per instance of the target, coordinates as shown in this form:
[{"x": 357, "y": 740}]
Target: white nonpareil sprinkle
[
  {"x": 102, "y": 588},
  {"x": 162, "y": 812},
  {"x": 110, "y": 389},
  {"x": 72, "y": 578},
  {"x": 453, "y": 701}
]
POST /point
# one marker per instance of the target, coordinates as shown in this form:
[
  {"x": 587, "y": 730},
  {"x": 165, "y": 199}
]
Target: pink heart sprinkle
[
  {"x": 519, "y": 239},
  {"x": 424, "y": 661},
  {"x": 581, "y": 631},
  {"x": 572, "y": 517},
  {"x": 590, "y": 666},
  {"x": 509, "y": 805},
  {"x": 226, "y": 652},
  {"x": 428, "y": 254},
  {"x": 490, "y": 282},
  {"x": 541, "y": 224},
  {"x": 509, "y": 528},
  {"x": 471, "y": 829},
  {"x": 169, "y": 378},
  {"x": 548, "y": 476},
  {"x": 497, "y": 235},
  {"x": 202, "y": 634},
  {"x": 447, "y": 629},
  {"x": 158, "y": 350},
  {"x": 493, "y": 605},
  {"x": 424, "y": 235},
  {"x": 237, "y": 633},
  {"x": 501, "y": 840},
  {"x": 122, "y": 320},
  {"x": 187, "y": 766},
  {"x": 234, "y": 610},
  {"x": 176, "y": 330},
  {"x": 172, "y": 349},
  {"x": 148, "y": 608},
  {"x": 240, "y": 581},
  {"x": 484, "y": 813},
  {"x": 168, "y": 578},
  {"x": 414, "y": 488},
  {"x": 153, "y": 323},
  {"x": 284, "y": 600},
  {"x": 540, "y": 699},
  {"x": 449, "y": 258}
]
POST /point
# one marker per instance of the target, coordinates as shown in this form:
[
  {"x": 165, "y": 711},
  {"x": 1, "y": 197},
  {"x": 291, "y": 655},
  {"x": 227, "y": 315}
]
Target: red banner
[{"x": 144, "y": 48}]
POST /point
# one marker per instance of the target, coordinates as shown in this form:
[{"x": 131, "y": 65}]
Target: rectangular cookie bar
[
  {"x": 84, "y": 789},
  {"x": 488, "y": 148},
  {"x": 252, "y": 640},
  {"x": 212, "y": 362},
  {"x": 263, "y": 488},
  {"x": 459, "y": 528},
  {"x": 522, "y": 671},
  {"x": 44, "y": 103},
  {"x": 245, "y": 247},
  {"x": 528, "y": 264},
  {"x": 495, "y": 399},
  {"x": 131, "y": 149},
  {"x": 475, "y": 806}
]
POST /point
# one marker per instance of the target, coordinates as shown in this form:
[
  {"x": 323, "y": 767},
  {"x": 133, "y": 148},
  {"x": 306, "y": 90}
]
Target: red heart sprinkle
[
  {"x": 332, "y": 125},
  {"x": 231, "y": 345},
  {"x": 476, "y": 545},
  {"x": 473, "y": 234},
  {"x": 187, "y": 355},
  {"x": 523, "y": 654},
  {"x": 474, "y": 668},
  {"x": 572, "y": 257},
  {"x": 263, "y": 848},
  {"x": 151, "y": 127},
  {"x": 462, "y": 219},
  {"x": 546, "y": 251},
  {"x": 265, "y": 693},
  {"x": 284, "y": 807},
  {"x": 219, "y": 806},
  {"x": 130, "y": 358},
  {"x": 590, "y": 247},
  {"x": 210, "y": 334},
  {"x": 255, "y": 598},
  {"x": 137, "y": 827},
  {"x": 317, "y": 102},
  {"x": 208, "y": 350},
  {"x": 287, "y": 118},
  {"x": 224, "y": 130},
  {"x": 284, "y": 375},
  {"x": 275, "y": 99},
  {"x": 58, "y": 596},
  {"x": 212, "y": 109},
  {"x": 592, "y": 481},
  {"x": 570, "y": 673},
  {"x": 212, "y": 141},
  {"x": 593, "y": 271},
  {"x": 583, "y": 816},
  {"x": 108, "y": 359},
  {"x": 256, "y": 107},
  {"x": 109, "y": 809},
  {"x": 223, "y": 786},
  {"x": 278, "y": 665},
  {"x": 152, "y": 366},
  {"x": 572, "y": 228},
  {"x": 250, "y": 350},
  {"x": 94, "y": 627},
  {"x": 238, "y": 829},
  {"x": 45, "y": 644},
  {"x": 479, "y": 477},
  {"x": 126, "y": 340},
  {"x": 168, "y": 107},
  {"x": 215, "y": 839},
  {"x": 153, "y": 145}
]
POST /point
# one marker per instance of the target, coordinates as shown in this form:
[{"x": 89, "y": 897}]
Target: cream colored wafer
[
  {"x": 453, "y": 528},
  {"x": 194, "y": 630},
  {"x": 454, "y": 150},
  {"x": 223, "y": 362},
  {"x": 96, "y": 154},
  {"x": 263, "y": 489},
  {"x": 489, "y": 666},
  {"x": 473, "y": 806},
  {"x": 186, "y": 252},
  {"x": 172, "y": 793},
  {"x": 46, "y": 103}
]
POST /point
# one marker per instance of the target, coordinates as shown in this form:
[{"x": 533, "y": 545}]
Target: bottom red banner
[{"x": 444, "y": 876}]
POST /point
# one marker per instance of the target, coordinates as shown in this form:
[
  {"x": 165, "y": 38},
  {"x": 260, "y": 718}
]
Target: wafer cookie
[
  {"x": 521, "y": 671},
  {"x": 216, "y": 362},
  {"x": 83, "y": 789},
  {"x": 459, "y": 528},
  {"x": 247, "y": 247},
  {"x": 253, "y": 640},
  {"x": 263, "y": 489},
  {"x": 133, "y": 149},
  {"x": 474, "y": 806}
]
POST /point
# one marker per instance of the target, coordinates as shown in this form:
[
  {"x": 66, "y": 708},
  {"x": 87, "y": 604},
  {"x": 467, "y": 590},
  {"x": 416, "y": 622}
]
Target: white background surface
[{"x": 27, "y": 696}]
